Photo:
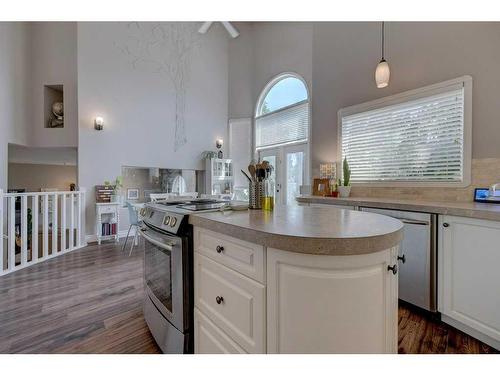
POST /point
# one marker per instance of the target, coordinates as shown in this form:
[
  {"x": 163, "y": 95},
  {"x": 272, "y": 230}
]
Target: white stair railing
[{"x": 38, "y": 226}]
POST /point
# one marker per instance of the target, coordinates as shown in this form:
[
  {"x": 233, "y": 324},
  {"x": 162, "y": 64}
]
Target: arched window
[
  {"x": 282, "y": 113},
  {"x": 282, "y": 133}
]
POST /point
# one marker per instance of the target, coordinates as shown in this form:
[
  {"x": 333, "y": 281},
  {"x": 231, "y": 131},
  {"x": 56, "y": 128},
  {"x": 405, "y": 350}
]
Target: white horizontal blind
[
  {"x": 418, "y": 140},
  {"x": 290, "y": 124}
]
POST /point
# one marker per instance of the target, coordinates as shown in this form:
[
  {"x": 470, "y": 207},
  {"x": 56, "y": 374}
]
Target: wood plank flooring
[
  {"x": 421, "y": 333},
  {"x": 90, "y": 301},
  {"x": 86, "y": 301}
]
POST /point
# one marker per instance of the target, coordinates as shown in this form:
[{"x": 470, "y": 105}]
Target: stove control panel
[{"x": 165, "y": 220}]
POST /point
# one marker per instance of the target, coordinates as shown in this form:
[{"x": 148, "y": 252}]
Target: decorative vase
[{"x": 344, "y": 191}]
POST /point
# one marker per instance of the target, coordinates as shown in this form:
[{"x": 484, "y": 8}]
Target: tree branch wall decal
[{"x": 164, "y": 48}]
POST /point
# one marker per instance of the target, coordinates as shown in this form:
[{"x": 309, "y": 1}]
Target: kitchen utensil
[
  {"x": 249, "y": 179},
  {"x": 252, "y": 170}
]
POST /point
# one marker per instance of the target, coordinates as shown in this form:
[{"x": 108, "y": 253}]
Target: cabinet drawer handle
[
  {"x": 402, "y": 258},
  {"x": 219, "y": 299},
  {"x": 394, "y": 269},
  {"x": 219, "y": 249},
  {"x": 446, "y": 225}
]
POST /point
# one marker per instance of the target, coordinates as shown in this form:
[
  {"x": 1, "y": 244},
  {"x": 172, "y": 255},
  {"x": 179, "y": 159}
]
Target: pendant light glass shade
[{"x": 382, "y": 74}]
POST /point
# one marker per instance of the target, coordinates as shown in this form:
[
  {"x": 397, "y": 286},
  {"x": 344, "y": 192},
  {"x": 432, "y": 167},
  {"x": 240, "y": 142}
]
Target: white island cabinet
[
  {"x": 331, "y": 304},
  {"x": 252, "y": 297},
  {"x": 469, "y": 276}
]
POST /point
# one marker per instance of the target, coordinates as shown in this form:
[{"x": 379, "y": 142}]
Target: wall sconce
[
  {"x": 218, "y": 143},
  {"x": 98, "y": 123}
]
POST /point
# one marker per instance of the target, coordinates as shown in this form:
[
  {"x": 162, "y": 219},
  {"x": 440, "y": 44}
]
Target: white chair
[
  {"x": 134, "y": 222},
  {"x": 155, "y": 197}
]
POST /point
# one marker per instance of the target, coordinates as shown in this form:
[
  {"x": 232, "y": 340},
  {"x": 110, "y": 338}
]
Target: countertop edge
[
  {"x": 303, "y": 245},
  {"x": 484, "y": 213}
]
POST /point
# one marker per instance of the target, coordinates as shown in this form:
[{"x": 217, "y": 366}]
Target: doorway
[{"x": 290, "y": 170}]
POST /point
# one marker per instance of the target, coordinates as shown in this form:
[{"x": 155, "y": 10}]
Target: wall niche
[{"x": 53, "y": 99}]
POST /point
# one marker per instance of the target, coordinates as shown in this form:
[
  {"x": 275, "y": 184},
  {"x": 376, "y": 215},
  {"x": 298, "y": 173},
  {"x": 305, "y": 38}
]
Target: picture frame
[
  {"x": 132, "y": 194},
  {"x": 321, "y": 186}
]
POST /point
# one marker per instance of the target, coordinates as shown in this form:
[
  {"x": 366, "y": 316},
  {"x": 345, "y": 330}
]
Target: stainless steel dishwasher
[{"x": 417, "y": 257}]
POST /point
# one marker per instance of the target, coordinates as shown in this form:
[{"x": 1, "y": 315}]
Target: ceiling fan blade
[
  {"x": 204, "y": 28},
  {"x": 231, "y": 29}
]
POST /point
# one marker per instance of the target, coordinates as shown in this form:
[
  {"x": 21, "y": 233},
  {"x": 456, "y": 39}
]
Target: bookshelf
[{"x": 107, "y": 221}]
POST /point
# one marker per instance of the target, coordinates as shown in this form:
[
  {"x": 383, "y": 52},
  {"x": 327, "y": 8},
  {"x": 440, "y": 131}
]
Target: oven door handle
[{"x": 167, "y": 246}]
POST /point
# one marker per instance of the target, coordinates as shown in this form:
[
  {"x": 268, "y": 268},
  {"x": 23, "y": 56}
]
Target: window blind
[
  {"x": 290, "y": 124},
  {"x": 415, "y": 140}
]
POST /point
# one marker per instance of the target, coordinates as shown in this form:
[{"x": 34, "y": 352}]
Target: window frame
[
  {"x": 269, "y": 85},
  {"x": 425, "y": 91}
]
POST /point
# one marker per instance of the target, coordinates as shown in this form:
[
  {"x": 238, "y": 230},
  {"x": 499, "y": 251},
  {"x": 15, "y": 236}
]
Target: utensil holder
[{"x": 256, "y": 192}]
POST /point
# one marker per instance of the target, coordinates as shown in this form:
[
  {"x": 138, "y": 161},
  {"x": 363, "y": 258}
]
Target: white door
[
  {"x": 273, "y": 156},
  {"x": 469, "y": 277},
  {"x": 295, "y": 172},
  {"x": 290, "y": 170}
]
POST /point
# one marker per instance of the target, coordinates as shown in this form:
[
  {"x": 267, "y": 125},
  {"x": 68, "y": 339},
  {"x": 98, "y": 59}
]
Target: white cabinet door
[
  {"x": 208, "y": 339},
  {"x": 469, "y": 276},
  {"x": 331, "y": 304},
  {"x": 235, "y": 303}
]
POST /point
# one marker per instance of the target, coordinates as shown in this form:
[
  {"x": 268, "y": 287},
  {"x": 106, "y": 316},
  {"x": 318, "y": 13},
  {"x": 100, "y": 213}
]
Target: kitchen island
[{"x": 295, "y": 280}]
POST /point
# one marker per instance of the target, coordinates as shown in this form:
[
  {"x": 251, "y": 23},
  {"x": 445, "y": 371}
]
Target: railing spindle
[
  {"x": 24, "y": 230},
  {"x": 72, "y": 223},
  {"x": 54, "y": 225},
  {"x": 12, "y": 233},
  {"x": 34, "y": 228},
  {"x": 45, "y": 225},
  {"x": 63, "y": 222},
  {"x": 79, "y": 221}
]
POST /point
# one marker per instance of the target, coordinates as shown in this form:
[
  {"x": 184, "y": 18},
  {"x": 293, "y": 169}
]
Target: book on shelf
[{"x": 108, "y": 229}]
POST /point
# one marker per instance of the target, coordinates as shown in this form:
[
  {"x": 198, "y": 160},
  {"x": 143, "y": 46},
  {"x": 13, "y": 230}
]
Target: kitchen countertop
[
  {"x": 487, "y": 211},
  {"x": 310, "y": 230}
]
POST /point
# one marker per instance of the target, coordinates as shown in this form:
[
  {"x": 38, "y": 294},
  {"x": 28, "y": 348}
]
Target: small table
[{"x": 107, "y": 221}]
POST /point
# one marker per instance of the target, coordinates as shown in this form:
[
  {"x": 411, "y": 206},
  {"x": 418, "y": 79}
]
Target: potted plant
[
  {"x": 344, "y": 188},
  {"x": 117, "y": 186}
]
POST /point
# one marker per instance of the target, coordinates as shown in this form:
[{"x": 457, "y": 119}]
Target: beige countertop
[
  {"x": 311, "y": 230},
  {"x": 488, "y": 211}
]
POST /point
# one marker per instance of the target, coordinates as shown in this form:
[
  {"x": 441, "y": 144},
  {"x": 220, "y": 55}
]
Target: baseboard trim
[
  {"x": 92, "y": 238},
  {"x": 471, "y": 331}
]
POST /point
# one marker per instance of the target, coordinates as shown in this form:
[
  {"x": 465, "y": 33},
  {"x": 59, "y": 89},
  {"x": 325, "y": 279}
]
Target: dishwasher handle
[{"x": 414, "y": 222}]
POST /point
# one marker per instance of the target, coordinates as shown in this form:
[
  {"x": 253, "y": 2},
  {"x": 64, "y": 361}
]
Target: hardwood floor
[
  {"x": 86, "y": 301},
  {"x": 90, "y": 301},
  {"x": 420, "y": 333}
]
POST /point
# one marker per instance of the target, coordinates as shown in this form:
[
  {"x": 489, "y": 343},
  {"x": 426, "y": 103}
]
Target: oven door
[{"x": 163, "y": 274}]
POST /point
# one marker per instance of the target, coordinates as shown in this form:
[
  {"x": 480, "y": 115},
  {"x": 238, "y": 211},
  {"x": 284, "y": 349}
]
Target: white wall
[
  {"x": 43, "y": 155},
  {"x": 54, "y": 48},
  {"x": 15, "y": 97},
  {"x": 281, "y": 47},
  {"x": 34, "y": 177},
  {"x": 241, "y": 56},
  {"x": 138, "y": 103}
]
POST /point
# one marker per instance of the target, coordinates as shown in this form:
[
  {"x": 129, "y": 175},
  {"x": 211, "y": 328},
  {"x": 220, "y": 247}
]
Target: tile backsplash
[{"x": 485, "y": 172}]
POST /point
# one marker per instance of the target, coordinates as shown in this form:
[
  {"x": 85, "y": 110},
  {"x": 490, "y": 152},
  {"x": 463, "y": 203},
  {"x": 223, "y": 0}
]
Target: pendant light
[{"x": 382, "y": 73}]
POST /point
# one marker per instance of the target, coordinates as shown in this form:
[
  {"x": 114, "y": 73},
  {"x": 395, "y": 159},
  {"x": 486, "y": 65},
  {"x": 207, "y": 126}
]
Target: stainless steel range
[{"x": 168, "y": 271}]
